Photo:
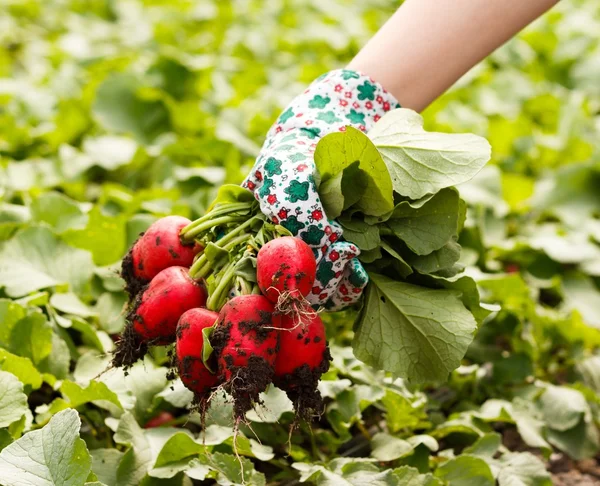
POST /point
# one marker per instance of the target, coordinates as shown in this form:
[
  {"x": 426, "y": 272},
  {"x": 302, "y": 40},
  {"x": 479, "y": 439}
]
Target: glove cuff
[{"x": 335, "y": 100}]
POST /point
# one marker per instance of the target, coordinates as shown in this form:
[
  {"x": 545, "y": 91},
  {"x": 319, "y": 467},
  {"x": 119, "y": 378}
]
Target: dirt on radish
[
  {"x": 286, "y": 269},
  {"x": 246, "y": 342},
  {"x": 152, "y": 317},
  {"x": 189, "y": 346},
  {"x": 303, "y": 357}
]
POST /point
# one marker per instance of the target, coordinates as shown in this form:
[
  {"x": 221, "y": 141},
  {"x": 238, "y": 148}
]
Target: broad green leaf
[
  {"x": 347, "y": 472},
  {"x": 111, "y": 280},
  {"x": 10, "y": 314},
  {"x": 469, "y": 292},
  {"x": 13, "y": 402},
  {"x": 562, "y": 407},
  {"x": 485, "y": 447},
  {"x": 69, "y": 303},
  {"x": 437, "y": 261},
  {"x": 137, "y": 460},
  {"x": 58, "y": 361},
  {"x": 52, "y": 455},
  {"x": 119, "y": 108},
  {"x": 337, "y": 151},
  {"x": 104, "y": 237},
  {"x": 36, "y": 259},
  {"x": 31, "y": 337},
  {"x": 58, "y": 211},
  {"x": 232, "y": 470},
  {"x": 580, "y": 442},
  {"x": 573, "y": 248},
  {"x": 145, "y": 380},
  {"x": 429, "y": 227},
  {"x": 342, "y": 190},
  {"x": 31, "y": 173},
  {"x": 370, "y": 256},
  {"x": 197, "y": 470},
  {"x": 21, "y": 367},
  {"x": 95, "y": 391},
  {"x": 466, "y": 470},
  {"x": 105, "y": 463},
  {"x": 411, "y": 475},
  {"x": 332, "y": 196},
  {"x": 231, "y": 193},
  {"x": 110, "y": 308},
  {"x": 175, "y": 454},
  {"x": 416, "y": 333},
  {"x": 401, "y": 413},
  {"x": 399, "y": 264},
  {"x": 421, "y": 162},
  {"x": 363, "y": 235},
  {"x": 523, "y": 469},
  {"x": 90, "y": 336},
  {"x": 523, "y": 414},
  {"x": 388, "y": 448}
]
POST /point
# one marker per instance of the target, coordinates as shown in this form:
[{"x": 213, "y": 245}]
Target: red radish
[
  {"x": 300, "y": 345},
  {"x": 152, "y": 320},
  {"x": 246, "y": 345},
  {"x": 303, "y": 357},
  {"x": 163, "y": 418},
  {"x": 194, "y": 375},
  {"x": 158, "y": 248},
  {"x": 285, "y": 266}
]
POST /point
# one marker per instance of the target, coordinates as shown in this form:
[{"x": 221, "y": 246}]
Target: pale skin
[{"x": 427, "y": 45}]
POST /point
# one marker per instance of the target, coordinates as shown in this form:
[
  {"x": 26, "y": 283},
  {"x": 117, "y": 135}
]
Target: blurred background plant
[{"x": 115, "y": 113}]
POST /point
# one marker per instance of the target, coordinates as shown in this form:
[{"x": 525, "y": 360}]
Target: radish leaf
[
  {"x": 418, "y": 334},
  {"x": 52, "y": 455},
  {"x": 338, "y": 151},
  {"x": 421, "y": 162},
  {"x": 429, "y": 227}
]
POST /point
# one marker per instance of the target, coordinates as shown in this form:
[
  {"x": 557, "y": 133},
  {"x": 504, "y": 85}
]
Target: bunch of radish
[{"x": 228, "y": 290}]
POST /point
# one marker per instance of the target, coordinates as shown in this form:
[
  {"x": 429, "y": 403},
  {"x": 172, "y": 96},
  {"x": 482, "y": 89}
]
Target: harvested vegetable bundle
[{"x": 254, "y": 277}]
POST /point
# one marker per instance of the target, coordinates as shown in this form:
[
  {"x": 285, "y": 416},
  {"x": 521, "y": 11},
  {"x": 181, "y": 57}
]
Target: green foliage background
[{"x": 116, "y": 113}]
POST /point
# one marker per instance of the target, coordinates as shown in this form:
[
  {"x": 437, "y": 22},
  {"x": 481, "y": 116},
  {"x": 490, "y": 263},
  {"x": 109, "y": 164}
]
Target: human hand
[{"x": 283, "y": 177}]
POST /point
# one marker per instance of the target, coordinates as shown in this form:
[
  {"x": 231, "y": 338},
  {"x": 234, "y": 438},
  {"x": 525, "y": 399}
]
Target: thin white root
[
  {"x": 236, "y": 431},
  {"x": 288, "y": 304}
]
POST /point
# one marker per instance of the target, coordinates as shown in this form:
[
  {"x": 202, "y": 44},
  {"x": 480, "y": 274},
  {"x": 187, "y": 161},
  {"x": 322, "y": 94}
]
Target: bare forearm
[{"x": 429, "y": 44}]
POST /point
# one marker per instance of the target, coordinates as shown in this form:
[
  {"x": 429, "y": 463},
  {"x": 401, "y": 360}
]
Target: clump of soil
[
  {"x": 247, "y": 383},
  {"x": 301, "y": 387},
  {"x": 133, "y": 284},
  {"x": 130, "y": 347}
]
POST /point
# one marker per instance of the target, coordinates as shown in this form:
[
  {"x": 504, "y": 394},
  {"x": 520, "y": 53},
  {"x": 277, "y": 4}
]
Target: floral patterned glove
[{"x": 282, "y": 179}]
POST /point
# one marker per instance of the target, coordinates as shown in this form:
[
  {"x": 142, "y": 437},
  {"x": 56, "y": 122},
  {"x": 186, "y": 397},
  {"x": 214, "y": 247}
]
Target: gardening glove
[{"x": 283, "y": 177}]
